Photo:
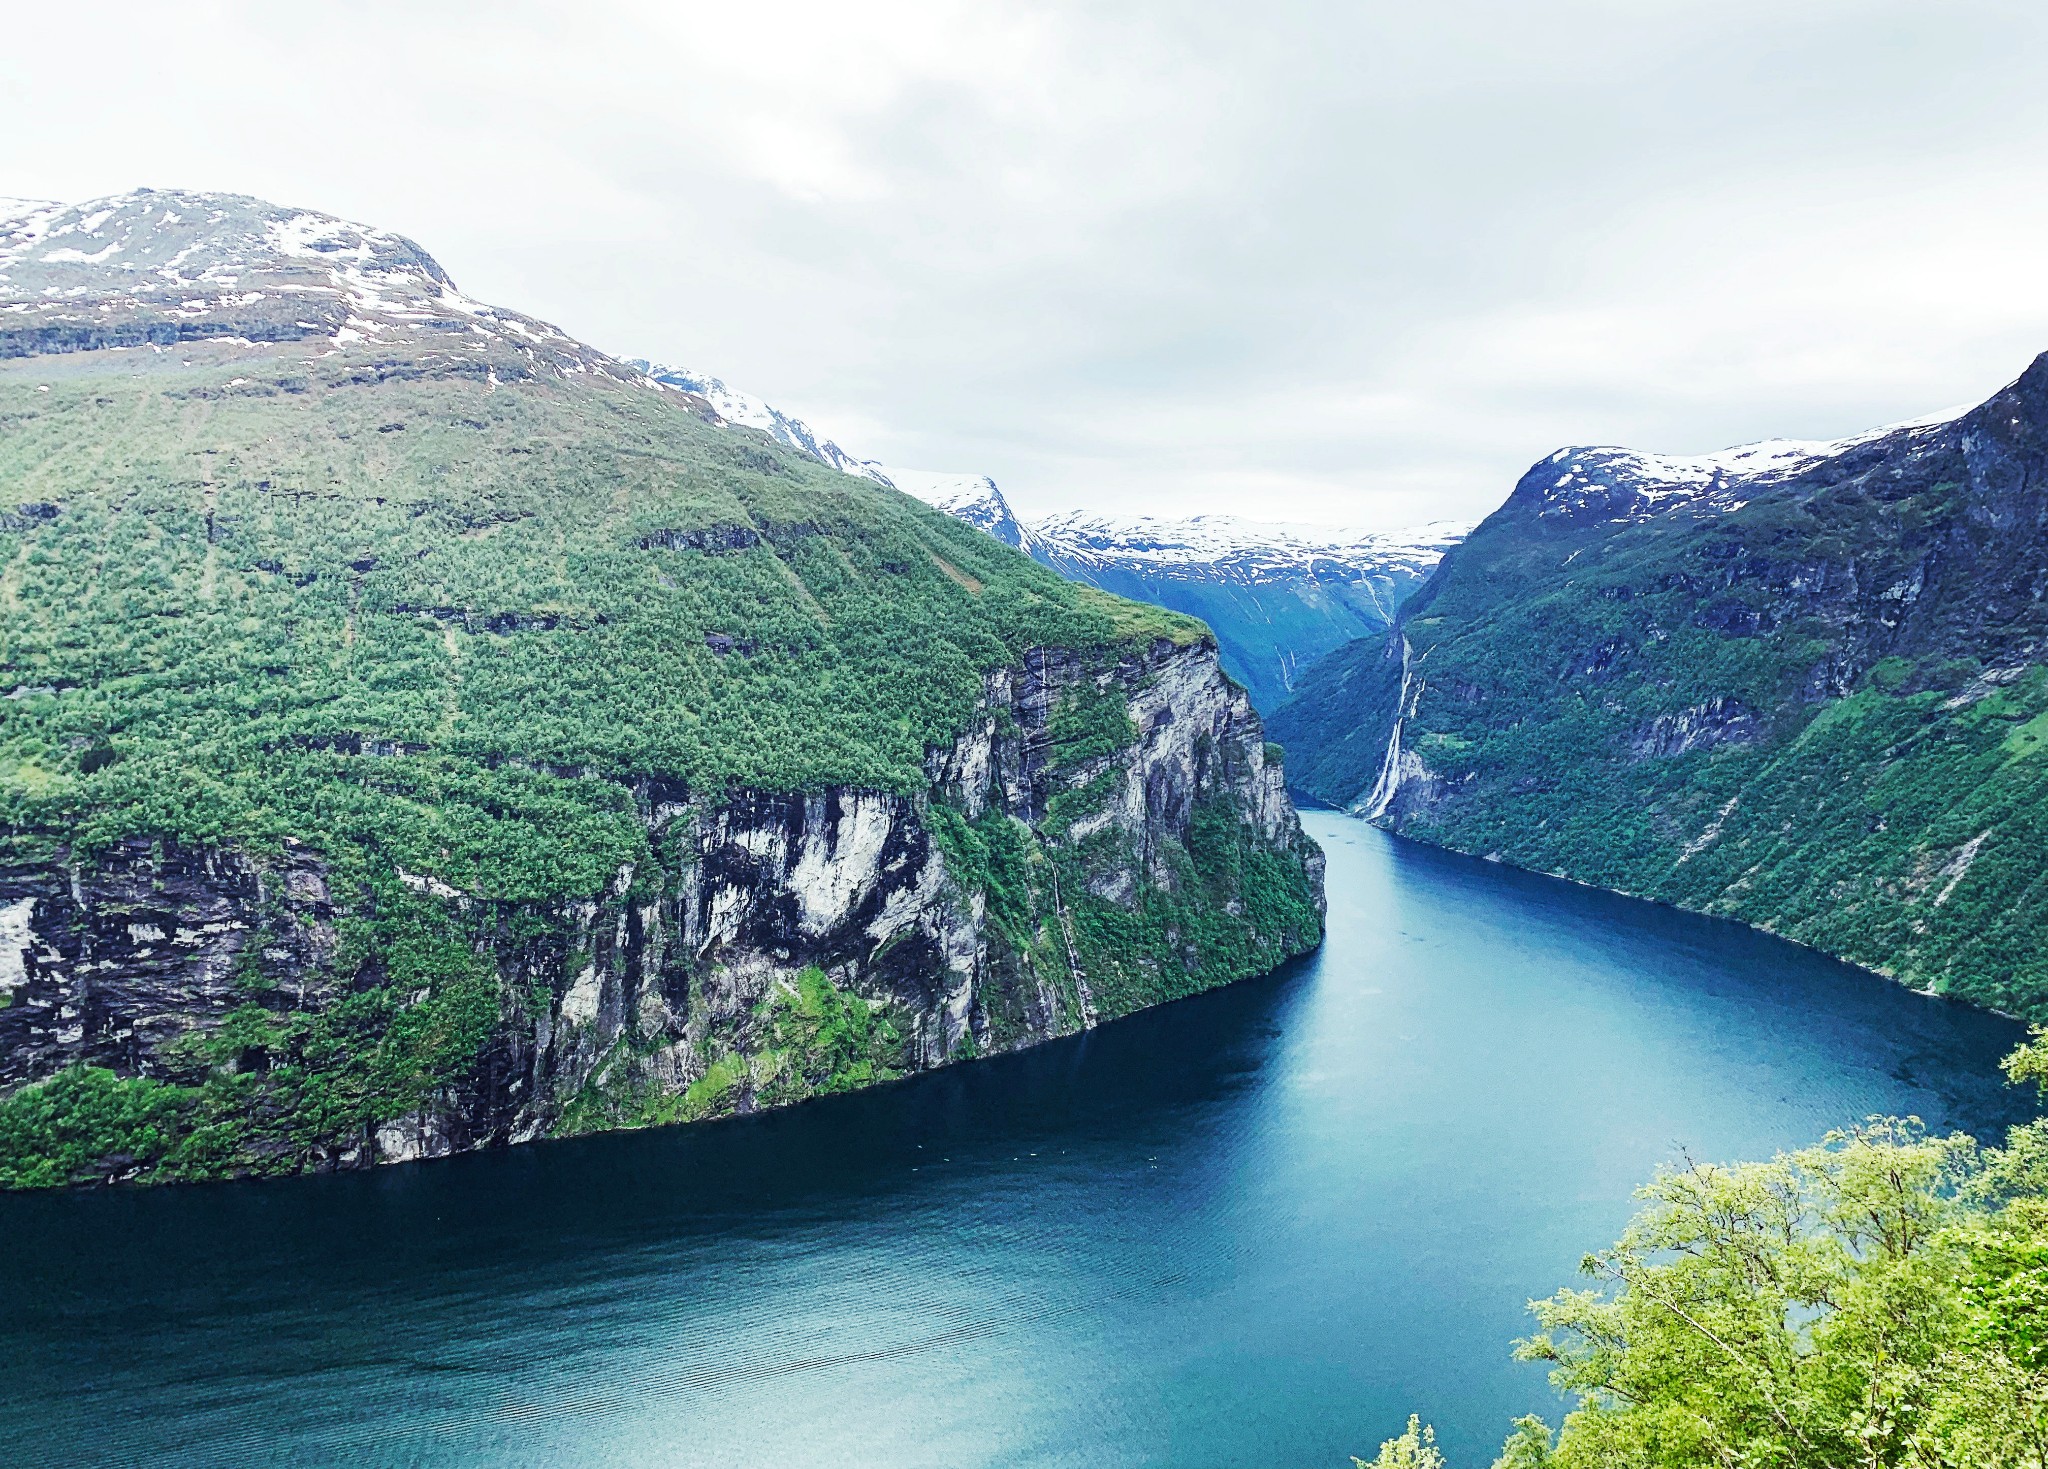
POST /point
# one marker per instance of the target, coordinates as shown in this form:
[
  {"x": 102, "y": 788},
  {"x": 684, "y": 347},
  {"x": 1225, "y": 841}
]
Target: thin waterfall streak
[{"x": 1389, "y": 781}]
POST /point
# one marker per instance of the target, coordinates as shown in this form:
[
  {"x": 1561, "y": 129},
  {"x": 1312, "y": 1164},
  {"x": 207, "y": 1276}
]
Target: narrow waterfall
[{"x": 1375, "y": 805}]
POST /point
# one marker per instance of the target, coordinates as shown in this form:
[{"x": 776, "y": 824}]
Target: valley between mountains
[
  {"x": 421, "y": 731},
  {"x": 1799, "y": 684}
]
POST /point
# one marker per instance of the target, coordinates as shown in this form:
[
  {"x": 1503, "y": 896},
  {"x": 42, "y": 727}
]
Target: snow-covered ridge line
[
  {"x": 1777, "y": 458},
  {"x": 1626, "y": 483},
  {"x": 735, "y": 406},
  {"x": 153, "y": 268},
  {"x": 1208, "y": 539}
]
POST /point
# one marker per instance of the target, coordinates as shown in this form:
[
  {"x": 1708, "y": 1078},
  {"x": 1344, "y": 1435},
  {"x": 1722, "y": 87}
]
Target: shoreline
[{"x": 1355, "y": 814}]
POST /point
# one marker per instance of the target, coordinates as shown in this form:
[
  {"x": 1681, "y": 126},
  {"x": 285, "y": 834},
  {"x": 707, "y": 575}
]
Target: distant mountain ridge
[
  {"x": 1231, "y": 549},
  {"x": 1278, "y": 595}
]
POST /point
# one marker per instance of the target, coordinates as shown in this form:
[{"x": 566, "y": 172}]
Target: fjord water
[{"x": 1254, "y": 1228}]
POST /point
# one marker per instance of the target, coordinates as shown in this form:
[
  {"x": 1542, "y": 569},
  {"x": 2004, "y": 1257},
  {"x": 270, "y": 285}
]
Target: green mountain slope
[
  {"x": 419, "y": 731},
  {"x": 216, "y": 594},
  {"x": 1798, "y": 685}
]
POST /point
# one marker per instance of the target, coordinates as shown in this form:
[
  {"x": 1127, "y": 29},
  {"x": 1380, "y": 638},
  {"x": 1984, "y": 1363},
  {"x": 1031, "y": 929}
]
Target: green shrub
[{"x": 86, "y": 1125}]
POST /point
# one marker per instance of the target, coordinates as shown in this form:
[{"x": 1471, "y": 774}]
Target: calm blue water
[{"x": 1256, "y": 1228}]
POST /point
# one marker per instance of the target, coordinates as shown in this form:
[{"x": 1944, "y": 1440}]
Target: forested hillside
[
  {"x": 420, "y": 731},
  {"x": 1801, "y": 685},
  {"x": 224, "y": 582}
]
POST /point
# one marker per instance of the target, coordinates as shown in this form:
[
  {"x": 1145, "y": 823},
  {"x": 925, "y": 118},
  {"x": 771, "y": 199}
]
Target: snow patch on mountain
[
  {"x": 13, "y": 209},
  {"x": 736, "y": 406},
  {"x": 1620, "y": 483},
  {"x": 973, "y": 498},
  {"x": 1229, "y": 548},
  {"x": 158, "y": 268}
]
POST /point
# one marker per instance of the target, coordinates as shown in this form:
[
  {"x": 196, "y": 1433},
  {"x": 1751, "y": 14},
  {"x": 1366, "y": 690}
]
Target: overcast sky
[{"x": 1348, "y": 262}]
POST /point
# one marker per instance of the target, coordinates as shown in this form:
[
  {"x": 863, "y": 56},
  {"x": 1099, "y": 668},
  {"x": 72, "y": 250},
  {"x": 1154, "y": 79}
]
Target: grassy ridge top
[{"x": 272, "y": 597}]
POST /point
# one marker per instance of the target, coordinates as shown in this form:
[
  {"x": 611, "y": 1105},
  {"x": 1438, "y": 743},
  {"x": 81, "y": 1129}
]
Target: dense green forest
[
  {"x": 449, "y": 630},
  {"x": 1817, "y": 705},
  {"x": 1876, "y": 1301},
  {"x": 429, "y": 612}
]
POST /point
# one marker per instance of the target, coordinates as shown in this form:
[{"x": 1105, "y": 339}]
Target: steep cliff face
[
  {"x": 421, "y": 731},
  {"x": 110, "y": 962},
  {"x": 1800, "y": 684},
  {"x": 782, "y": 944}
]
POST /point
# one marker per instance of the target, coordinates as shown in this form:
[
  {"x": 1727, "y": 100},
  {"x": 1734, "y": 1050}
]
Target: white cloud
[{"x": 1337, "y": 260}]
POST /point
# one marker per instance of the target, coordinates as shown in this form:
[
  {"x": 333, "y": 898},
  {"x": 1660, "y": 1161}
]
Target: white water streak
[{"x": 1389, "y": 780}]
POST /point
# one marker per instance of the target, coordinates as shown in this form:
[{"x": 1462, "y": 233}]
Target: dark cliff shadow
[{"x": 570, "y": 1208}]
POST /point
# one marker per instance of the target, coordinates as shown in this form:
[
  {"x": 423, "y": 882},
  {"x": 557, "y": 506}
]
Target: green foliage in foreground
[
  {"x": 1415, "y": 1448},
  {"x": 1877, "y": 1300}
]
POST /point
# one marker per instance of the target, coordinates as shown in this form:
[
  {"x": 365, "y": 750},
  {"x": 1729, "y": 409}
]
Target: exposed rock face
[
  {"x": 1718, "y": 721},
  {"x": 109, "y": 963},
  {"x": 1197, "y": 732},
  {"x": 623, "y": 1004}
]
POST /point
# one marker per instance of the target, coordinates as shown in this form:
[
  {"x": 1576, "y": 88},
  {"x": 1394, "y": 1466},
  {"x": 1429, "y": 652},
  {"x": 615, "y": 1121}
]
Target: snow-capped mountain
[
  {"x": 973, "y": 498},
  {"x": 157, "y": 268},
  {"x": 1229, "y": 548},
  {"x": 1616, "y": 483},
  {"x": 1278, "y": 596},
  {"x": 735, "y": 406}
]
